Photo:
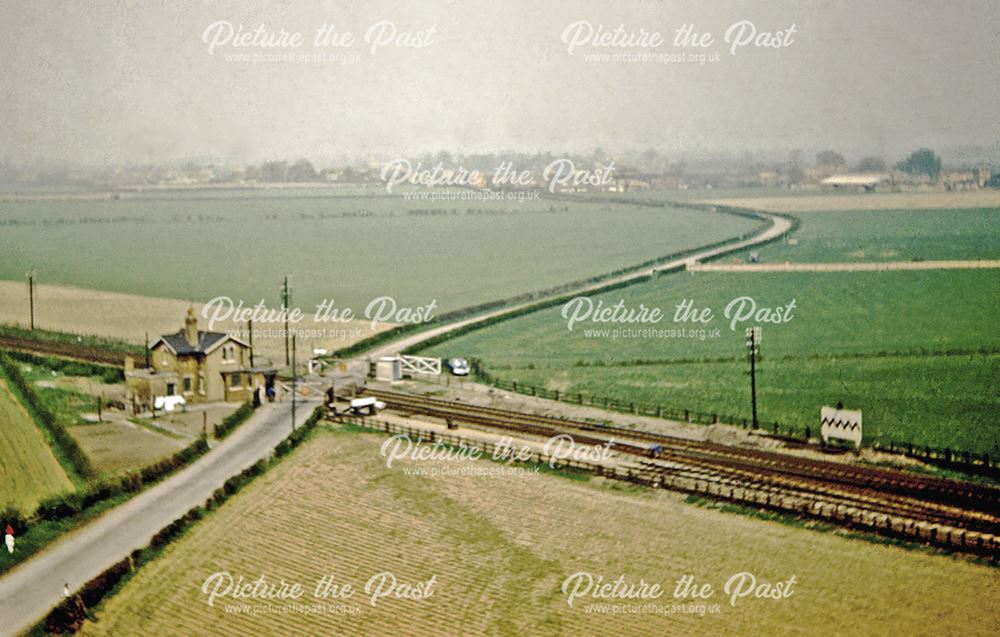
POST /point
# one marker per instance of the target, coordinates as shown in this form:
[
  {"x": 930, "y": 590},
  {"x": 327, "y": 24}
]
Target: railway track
[
  {"x": 903, "y": 500},
  {"x": 75, "y": 351}
]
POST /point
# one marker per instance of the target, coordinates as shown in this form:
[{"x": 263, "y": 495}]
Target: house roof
[{"x": 207, "y": 341}]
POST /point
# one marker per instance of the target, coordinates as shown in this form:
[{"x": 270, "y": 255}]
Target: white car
[{"x": 458, "y": 366}]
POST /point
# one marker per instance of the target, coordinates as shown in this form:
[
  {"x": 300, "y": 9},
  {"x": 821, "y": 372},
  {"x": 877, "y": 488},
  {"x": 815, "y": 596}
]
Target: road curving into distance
[{"x": 779, "y": 226}]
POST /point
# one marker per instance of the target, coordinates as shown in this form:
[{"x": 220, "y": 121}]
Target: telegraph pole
[
  {"x": 31, "y": 298},
  {"x": 250, "y": 335},
  {"x": 286, "y": 299},
  {"x": 753, "y": 352},
  {"x": 293, "y": 383}
]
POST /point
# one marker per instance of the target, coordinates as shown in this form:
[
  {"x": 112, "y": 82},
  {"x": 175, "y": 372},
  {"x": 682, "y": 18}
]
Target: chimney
[{"x": 191, "y": 328}]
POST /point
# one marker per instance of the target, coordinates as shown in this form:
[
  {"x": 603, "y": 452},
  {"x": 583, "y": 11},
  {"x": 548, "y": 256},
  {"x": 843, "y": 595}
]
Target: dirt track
[{"x": 843, "y": 267}]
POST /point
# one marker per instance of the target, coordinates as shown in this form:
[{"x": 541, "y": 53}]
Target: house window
[
  {"x": 165, "y": 359},
  {"x": 228, "y": 353},
  {"x": 235, "y": 380},
  {"x": 201, "y": 383},
  {"x": 171, "y": 389},
  {"x": 187, "y": 384}
]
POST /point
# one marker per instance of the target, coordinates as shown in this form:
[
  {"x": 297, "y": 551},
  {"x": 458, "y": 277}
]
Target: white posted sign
[{"x": 842, "y": 424}]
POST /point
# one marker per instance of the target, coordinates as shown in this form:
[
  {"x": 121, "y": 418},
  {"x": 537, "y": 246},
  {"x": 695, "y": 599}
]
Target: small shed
[{"x": 389, "y": 368}]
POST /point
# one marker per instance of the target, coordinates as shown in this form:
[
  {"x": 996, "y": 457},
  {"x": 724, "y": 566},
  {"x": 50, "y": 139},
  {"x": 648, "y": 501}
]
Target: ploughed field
[
  {"x": 917, "y": 351},
  {"x": 494, "y": 551},
  {"x": 338, "y": 244}
]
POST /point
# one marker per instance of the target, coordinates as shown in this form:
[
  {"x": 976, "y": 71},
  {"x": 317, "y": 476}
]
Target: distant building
[
  {"x": 200, "y": 366},
  {"x": 966, "y": 179},
  {"x": 858, "y": 181}
]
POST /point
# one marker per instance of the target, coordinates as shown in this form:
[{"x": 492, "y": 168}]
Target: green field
[
  {"x": 916, "y": 350},
  {"x": 345, "y": 247},
  {"x": 890, "y": 235},
  {"x": 29, "y": 470}
]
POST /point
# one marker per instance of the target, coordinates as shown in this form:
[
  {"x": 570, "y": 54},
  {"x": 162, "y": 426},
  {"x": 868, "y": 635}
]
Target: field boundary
[{"x": 67, "y": 451}]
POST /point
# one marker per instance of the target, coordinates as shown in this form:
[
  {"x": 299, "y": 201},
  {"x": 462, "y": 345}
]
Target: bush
[
  {"x": 296, "y": 437},
  {"x": 100, "y": 492},
  {"x": 233, "y": 420},
  {"x": 68, "y": 617},
  {"x": 60, "y": 506},
  {"x": 15, "y": 518}
]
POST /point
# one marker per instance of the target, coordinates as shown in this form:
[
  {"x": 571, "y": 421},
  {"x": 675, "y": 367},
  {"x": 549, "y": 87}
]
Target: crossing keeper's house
[{"x": 200, "y": 366}]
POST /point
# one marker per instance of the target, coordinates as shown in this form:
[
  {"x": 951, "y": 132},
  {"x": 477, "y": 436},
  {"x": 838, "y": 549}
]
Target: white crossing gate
[
  {"x": 842, "y": 424},
  {"x": 420, "y": 365}
]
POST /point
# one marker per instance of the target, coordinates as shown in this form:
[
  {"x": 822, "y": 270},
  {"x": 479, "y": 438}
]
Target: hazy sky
[{"x": 127, "y": 81}]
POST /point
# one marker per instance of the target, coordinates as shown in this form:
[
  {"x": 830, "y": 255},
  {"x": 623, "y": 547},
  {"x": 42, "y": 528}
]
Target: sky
[{"x": 113, "y": 81}]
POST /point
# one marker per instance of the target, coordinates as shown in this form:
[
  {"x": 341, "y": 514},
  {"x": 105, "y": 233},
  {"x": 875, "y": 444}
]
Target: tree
[
  {"x": 830, "y": 158},
  {"x": 922, "y": 161},
  {"x": 871, "y": 164},
  {"x": 274, "y": 171},
  {"x": 650, "y": 159},
  {"x": 301, "y": 170}
]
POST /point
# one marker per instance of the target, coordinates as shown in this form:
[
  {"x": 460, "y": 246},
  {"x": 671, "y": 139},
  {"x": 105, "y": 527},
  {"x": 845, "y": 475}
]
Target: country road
[
  {"x": 778, "y": 227},
  {"x": 31, "y": 589}
]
